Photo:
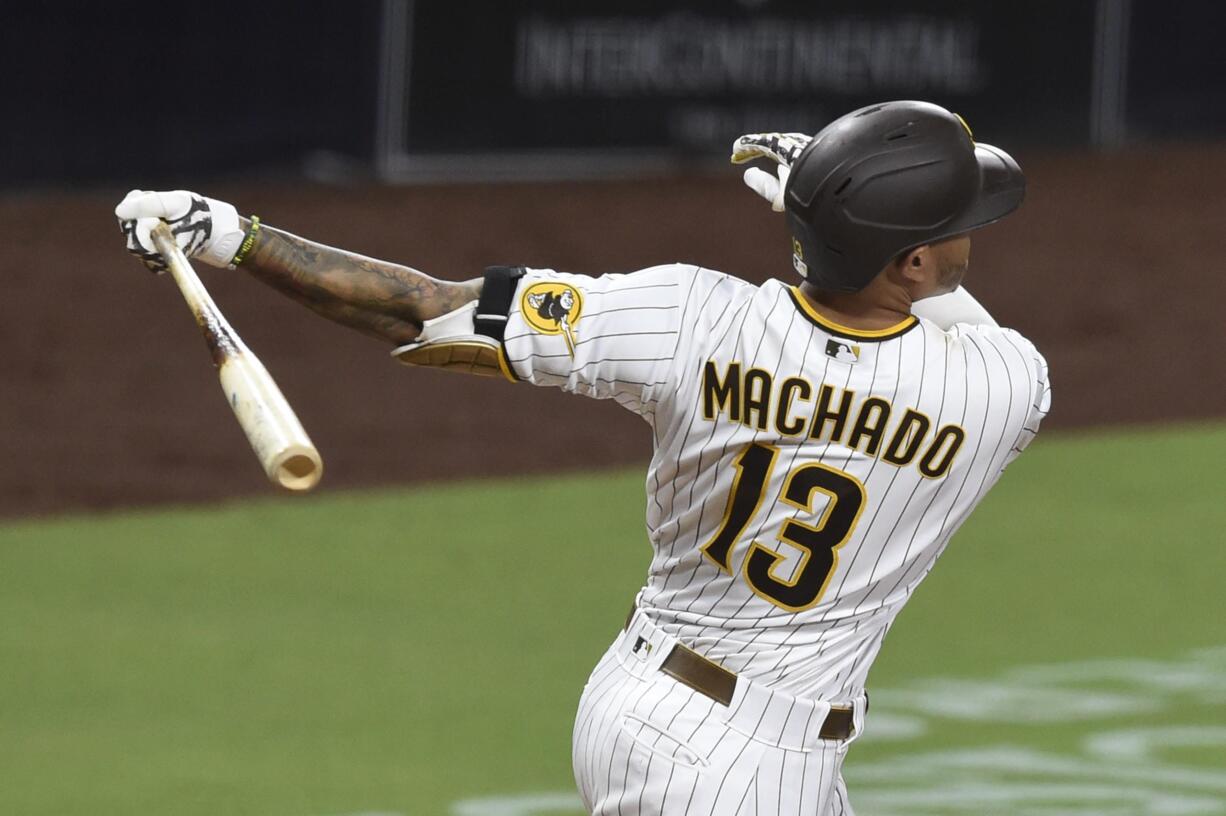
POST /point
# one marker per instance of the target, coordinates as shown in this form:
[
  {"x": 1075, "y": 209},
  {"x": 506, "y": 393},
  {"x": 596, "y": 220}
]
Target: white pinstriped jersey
[{"x": 805, "y": 476}]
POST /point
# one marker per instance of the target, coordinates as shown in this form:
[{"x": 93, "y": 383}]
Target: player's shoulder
[
  {"x": 1010, "y": 343},
  {"x": 697, "y": 287},
  {"x": 694, "y": 275},
  {"x": 981, "y": 333}
]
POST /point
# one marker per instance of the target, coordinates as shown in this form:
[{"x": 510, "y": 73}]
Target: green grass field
[{"x": 421, "y": 651}]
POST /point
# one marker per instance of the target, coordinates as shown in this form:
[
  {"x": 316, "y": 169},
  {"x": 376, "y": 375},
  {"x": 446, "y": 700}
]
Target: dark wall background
[
  {"x": 174, "y": 93},
  {"x": 116, "y": 90},
  {"x": 1177, "y": 70}
]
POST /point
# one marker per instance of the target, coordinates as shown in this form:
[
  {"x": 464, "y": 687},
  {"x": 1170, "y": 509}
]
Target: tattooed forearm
[{"x": 379, "y": 298}]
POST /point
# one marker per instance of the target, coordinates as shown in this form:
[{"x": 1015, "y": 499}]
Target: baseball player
[{"x": 815, "y": 445}]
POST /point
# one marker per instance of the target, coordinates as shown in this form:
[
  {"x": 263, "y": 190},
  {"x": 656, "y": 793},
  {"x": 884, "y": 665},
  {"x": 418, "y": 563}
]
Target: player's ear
[{"x": 914, "y": 266}]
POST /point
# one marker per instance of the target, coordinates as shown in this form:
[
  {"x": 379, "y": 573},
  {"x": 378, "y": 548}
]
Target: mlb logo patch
[{"x": 843, "y": 352}]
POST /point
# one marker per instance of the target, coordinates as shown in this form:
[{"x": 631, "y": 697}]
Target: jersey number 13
[{"x": 818, "y": 543}]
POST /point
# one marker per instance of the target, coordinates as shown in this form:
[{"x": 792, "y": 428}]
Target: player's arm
[
  {"x": 611, "y": 337},
  {"x": 382, "y": 299}
]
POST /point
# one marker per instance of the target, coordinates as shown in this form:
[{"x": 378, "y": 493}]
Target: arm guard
[{"x": 469, "y": 339}]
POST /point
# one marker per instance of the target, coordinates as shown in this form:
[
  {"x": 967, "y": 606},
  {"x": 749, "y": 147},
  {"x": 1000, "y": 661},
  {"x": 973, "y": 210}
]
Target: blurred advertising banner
[
  {"x": 471, "y": 90},
  {"x": 676, "y": 80}
]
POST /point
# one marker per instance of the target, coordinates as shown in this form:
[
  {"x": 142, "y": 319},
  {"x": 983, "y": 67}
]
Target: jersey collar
[{"x": 829, "y": 326}]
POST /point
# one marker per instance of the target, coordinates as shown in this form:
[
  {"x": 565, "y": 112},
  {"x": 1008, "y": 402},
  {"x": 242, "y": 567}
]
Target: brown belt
[{"x": 708, "y": 677}]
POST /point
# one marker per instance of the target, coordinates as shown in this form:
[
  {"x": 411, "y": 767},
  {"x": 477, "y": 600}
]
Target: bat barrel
[
  {"x": 299, "y": 470},
  {"x": 277, "y": 437},
  {"x": 280, "y": 443}
]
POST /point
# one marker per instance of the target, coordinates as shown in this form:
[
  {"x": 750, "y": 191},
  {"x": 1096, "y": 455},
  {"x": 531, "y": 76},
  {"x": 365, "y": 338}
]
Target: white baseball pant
[{"x": 645, "y": 743}]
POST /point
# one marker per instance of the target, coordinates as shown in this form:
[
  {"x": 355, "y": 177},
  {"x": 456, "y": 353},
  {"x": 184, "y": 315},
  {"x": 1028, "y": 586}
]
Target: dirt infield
[{"x": 1111, "y": 267}]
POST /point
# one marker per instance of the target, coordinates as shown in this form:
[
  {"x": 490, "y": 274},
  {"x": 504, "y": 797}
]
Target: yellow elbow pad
[{"x": 451, "y": 342}]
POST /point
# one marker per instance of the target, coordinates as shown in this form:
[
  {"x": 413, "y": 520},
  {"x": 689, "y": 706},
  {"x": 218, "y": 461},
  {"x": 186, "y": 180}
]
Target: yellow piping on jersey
[
  {"x": 504, "y": 364},
  {"x": 847, "y": 331}
]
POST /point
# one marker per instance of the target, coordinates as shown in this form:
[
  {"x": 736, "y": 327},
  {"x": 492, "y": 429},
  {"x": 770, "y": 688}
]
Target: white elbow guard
[{"x": 469, "y": 339}]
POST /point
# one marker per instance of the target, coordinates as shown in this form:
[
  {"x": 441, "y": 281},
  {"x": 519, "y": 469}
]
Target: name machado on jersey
[{"x": 752, "y": 399}]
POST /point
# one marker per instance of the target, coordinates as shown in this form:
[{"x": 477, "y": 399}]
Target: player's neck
[{"x": 870, "y": 309}]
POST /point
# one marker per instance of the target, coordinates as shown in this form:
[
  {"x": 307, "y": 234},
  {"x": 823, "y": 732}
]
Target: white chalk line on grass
[
  {"x": 524, "y": 804},
  {"x": 1119, "y": 770}
]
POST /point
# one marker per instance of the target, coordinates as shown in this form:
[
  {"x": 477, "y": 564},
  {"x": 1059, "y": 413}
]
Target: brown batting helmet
[{"x": 885, "y": 179}]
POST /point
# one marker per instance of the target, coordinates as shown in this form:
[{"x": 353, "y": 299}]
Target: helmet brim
[{"x": 1002, "y": 186}]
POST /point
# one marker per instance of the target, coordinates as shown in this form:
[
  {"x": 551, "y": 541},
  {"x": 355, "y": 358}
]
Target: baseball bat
[{"x": 277, "y": 437}]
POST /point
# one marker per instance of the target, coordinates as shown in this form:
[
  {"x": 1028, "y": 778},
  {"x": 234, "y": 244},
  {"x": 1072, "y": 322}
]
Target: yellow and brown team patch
[{"x": 553, "y": 308}]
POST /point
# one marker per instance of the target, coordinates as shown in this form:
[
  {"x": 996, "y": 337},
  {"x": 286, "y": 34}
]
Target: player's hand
[
  {"x": 781, "y": 148},
  {"x": 204, "y": 228}
]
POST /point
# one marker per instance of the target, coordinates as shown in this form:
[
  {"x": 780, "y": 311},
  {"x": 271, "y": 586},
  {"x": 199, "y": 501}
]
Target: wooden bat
[{"x": 276, "y": 435}]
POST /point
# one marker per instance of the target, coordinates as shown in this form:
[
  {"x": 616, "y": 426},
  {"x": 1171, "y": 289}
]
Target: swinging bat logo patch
[{"x": 553, "y": 308}]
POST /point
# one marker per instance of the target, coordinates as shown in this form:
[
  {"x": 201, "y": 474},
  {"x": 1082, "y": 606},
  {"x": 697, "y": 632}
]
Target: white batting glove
[
  {"x": 204, "y": 228},
  {"x": 781, "y": 148},
  {"x": 769, "y": 187}
]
